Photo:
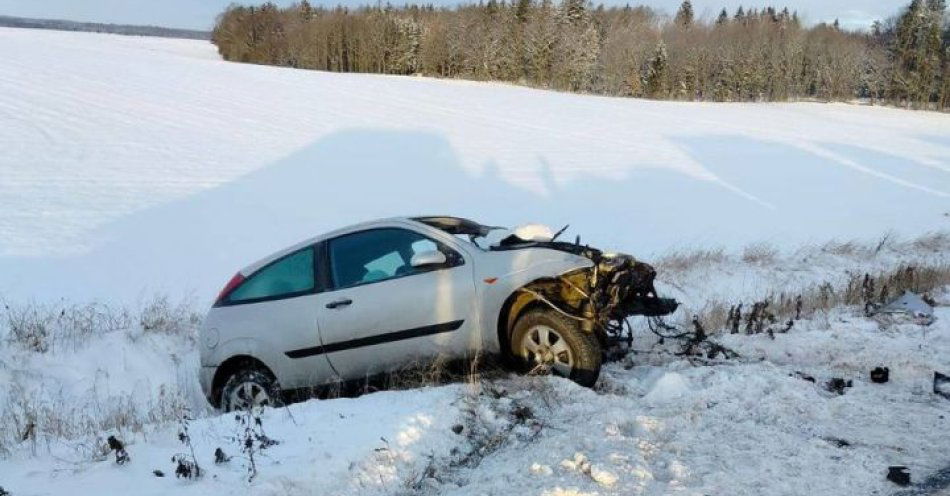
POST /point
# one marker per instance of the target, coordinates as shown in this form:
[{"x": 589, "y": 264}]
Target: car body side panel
[
  {"x": 264, "y": 330},
  {"x": 511, "y": 270},
  {"x": 439, "y": 307},
  {"x": 399, "y": 321}
]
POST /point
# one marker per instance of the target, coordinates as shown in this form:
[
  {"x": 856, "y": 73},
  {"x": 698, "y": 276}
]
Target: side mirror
[{"x": 427, "y": 258}]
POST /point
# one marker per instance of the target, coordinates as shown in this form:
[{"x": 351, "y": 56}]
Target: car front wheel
[{"x": 544, "y": 340}]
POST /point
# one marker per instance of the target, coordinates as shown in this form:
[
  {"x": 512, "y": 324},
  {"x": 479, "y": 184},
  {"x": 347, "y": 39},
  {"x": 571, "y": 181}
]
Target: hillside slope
[{"x": 135, "y": 165}]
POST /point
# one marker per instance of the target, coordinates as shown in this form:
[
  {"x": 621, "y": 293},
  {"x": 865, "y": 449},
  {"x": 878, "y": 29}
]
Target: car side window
[
  {"x": 380, "y": 254},
  {"x": 288, "y": 276}
]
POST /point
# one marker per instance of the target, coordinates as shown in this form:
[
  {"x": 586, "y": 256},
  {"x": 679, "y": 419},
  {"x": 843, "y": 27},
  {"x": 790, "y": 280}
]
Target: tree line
[{"x": 746, "y": 55}]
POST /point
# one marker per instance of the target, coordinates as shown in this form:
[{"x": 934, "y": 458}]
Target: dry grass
[
  {"x": 39, "y": 418},
  {"x": 440, "y": 370},
  {"x": 36, "y": 410},
  {"x": 933, "y": 242},
  {"x": 45, "y": 327},
  {"x": 759, "y": 253},
  {"x": 687, "y": 260},
  {"x": 820, "y": 298}
]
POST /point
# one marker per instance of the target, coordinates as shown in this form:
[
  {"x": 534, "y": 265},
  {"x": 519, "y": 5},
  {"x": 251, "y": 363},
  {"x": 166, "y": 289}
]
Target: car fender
[
  {"x": 503, "y": 276},
  {"x": 255, "y": 348}
]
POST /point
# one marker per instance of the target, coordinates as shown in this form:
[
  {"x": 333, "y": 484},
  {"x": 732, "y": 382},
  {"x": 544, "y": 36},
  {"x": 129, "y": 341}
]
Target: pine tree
[
  {"x": 407, "y": 47},
  {"x": 306, "y": 11},
  {"x": 723, "y": 18},
  {"x": 684, "y": 16},
  {"x": 540, "y": 39},
  {"x": 740, "y": 14},
  {"x": 521, "y": 10},
  {"x": 657, "y": 72},
  {"x": 574, "y": 11},
  {"x": 916, "y": 52},
  {"x": 931, "y": 64}
]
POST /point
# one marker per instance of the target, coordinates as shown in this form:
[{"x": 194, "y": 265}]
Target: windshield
[{"x": 465, "y": 229}]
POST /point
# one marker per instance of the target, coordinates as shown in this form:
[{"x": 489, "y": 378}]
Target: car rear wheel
[
  {"x": 544, "y": 340},
  {"x": 250, "y": 388}
]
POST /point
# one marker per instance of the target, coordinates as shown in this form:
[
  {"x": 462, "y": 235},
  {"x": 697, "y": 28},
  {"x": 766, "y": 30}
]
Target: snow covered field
[{"x": 134, "y": 166}]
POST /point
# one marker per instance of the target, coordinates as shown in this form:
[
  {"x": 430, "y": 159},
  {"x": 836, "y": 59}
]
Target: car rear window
[{"x": 288, "y": 276}]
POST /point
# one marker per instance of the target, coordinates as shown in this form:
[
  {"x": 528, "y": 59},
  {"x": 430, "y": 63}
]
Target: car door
[
  {"x": 275, "y": 310},
  {"x": 380, "y": 313}
]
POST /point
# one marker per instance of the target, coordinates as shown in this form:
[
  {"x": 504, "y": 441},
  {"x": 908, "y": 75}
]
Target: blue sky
[{"x": 200, "y": 14}]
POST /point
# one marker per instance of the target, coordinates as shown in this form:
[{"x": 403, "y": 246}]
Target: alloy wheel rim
[
  {"x": 247, "y": 395},
  {"x": 546, "y": 349}
]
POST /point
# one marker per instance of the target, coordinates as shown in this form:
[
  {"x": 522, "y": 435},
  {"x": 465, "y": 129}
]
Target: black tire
[
  {"x": 581, "y": 347},
  {"x": 259, "y": 386}
]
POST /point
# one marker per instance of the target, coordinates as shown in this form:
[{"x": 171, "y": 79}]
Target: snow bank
[{"x": 746, "y": 427}]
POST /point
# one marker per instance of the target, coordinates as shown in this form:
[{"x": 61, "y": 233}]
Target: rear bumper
[{"x": 206, "y": 377}]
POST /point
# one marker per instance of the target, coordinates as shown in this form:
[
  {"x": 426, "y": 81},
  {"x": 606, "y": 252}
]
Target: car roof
[{"x": 388, "y": 221}]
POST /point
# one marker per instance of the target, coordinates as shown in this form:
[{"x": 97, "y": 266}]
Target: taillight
[{"x": 233, "y": 283}]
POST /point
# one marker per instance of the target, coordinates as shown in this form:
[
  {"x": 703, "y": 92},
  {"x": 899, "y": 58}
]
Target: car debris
[
  {"x": 880, "y": 375},
  {"x": 910, "y": 304},
  {"x": 803, "y": 376},
  {"x": 837, "y": 385},
  {"x": 837, "y": 442},
  {"x": 118, "y": 447},
  {"x": 899, "y": 474},
  {"x": 942, "y": 385}
]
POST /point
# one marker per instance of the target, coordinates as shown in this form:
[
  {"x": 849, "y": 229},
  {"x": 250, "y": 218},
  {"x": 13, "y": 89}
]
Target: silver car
[{"x": 374, "y": 297}]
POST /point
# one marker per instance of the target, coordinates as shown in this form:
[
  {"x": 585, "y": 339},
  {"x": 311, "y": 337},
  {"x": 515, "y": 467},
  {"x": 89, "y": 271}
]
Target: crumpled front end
[
  {"x": 623, "y": 287},
  {"x": 601, "y": 296}
]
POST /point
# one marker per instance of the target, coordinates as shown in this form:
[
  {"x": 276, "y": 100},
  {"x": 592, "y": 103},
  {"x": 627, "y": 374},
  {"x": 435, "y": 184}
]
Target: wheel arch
[
  {"x": 520, "y": 301},
  {"x": 517, "y": 303},
  {"x": 231, "y": 366}
]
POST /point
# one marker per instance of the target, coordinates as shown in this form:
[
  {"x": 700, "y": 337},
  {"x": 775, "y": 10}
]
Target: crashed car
[{"x": 377, "y": 296}]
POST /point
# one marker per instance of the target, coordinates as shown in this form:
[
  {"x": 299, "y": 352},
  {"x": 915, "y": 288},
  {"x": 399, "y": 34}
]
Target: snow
[
  {"x": 331, "y": 448},
  {"x": 139, "y": 165},
  {"x": 533, "y": 232},
  {"x": 668, "y": 387},
  {"x": 654, "y": 424}
]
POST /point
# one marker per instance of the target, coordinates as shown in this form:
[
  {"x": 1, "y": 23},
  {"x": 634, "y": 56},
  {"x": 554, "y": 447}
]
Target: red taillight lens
[{"x": 233, "y": 283}]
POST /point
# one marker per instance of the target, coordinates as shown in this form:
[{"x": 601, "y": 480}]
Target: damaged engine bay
[{"x": 600, "y": 297}]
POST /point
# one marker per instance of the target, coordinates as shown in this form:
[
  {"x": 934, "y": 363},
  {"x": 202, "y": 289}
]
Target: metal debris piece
[
  {"x": 880, "y": 375},
  {"x": 911, "y": 304},
  {"x": 899, "y": 475},
  {"x": 942, "y": 385},
  {"x": 838, "y": 385}
]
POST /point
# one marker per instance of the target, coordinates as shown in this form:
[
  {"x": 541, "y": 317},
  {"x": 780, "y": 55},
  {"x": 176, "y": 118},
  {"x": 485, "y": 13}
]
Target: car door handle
[{"x": 339, "y": 303}]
